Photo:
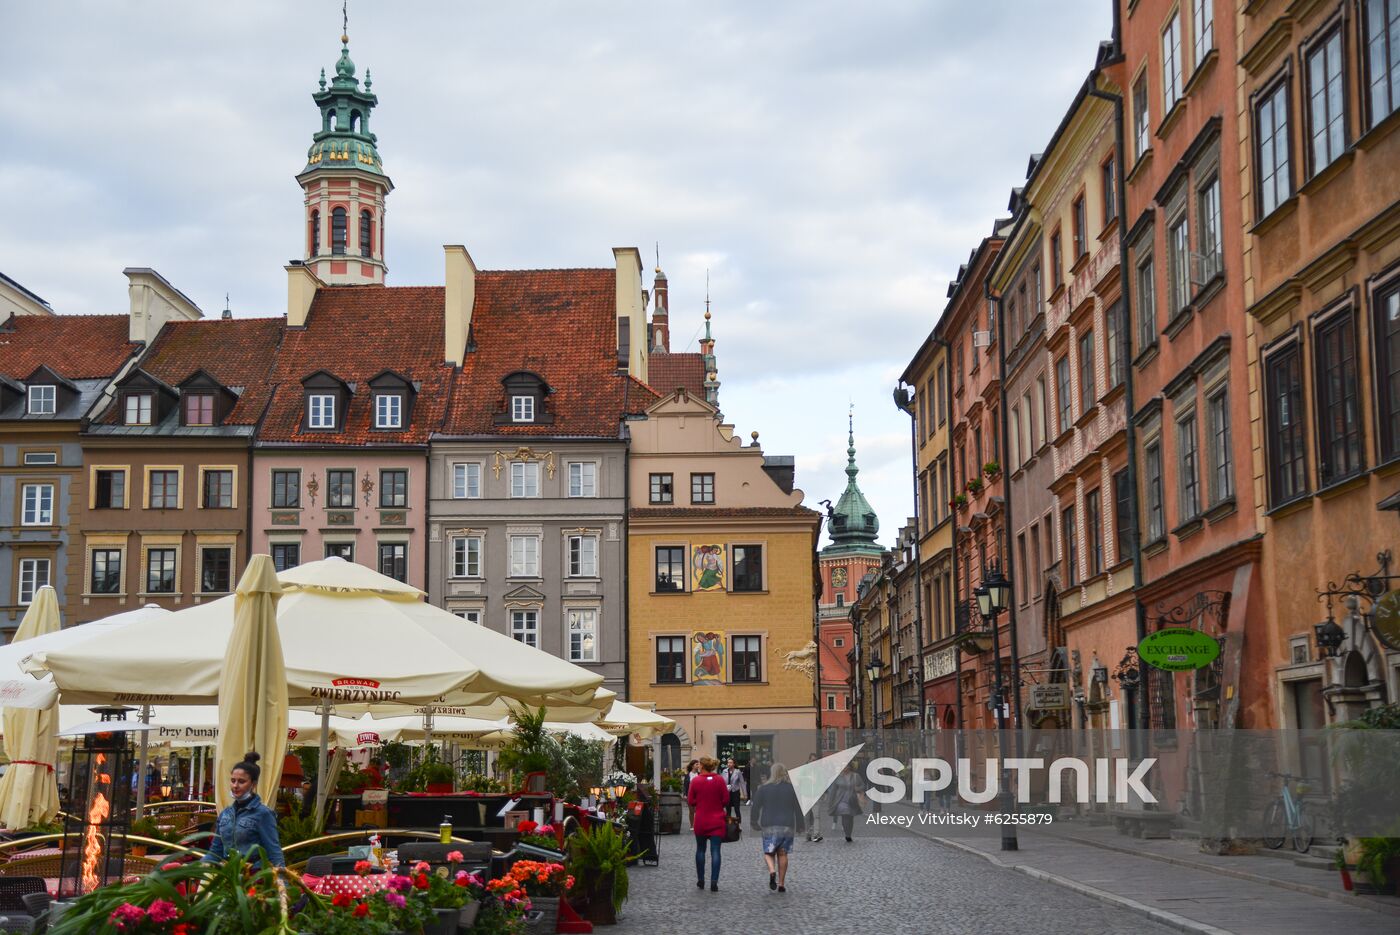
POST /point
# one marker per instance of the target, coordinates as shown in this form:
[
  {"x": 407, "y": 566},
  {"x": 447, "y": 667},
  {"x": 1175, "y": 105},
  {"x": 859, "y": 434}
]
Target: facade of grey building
[{"x": 529, "y": 540}]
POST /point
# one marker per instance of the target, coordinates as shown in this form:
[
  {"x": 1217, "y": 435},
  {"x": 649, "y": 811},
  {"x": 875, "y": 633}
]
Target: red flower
[
  {"x": 420, "y": 882},
  {"x": 362, "y": 910},
  {"x": 363, "y": 867},
  {"x": 340, "y": 900},
  {"x": 527, "y": 827}
]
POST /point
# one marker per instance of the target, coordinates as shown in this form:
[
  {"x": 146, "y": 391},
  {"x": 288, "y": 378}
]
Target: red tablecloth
[{"x": 351, "y": 883}]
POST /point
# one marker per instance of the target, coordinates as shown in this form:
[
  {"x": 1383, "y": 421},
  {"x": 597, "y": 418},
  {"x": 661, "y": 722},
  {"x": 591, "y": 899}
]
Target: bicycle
[{"x": 1288, "y": 818}]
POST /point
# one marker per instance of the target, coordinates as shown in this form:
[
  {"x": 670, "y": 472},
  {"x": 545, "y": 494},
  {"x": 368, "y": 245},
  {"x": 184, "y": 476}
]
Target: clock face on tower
[{"x": 838, "y": 578}]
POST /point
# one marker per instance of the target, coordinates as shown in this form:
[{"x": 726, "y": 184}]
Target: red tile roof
[
  {"x": 236, "y": 352},
  {"x": 559, "y": 324},
  {"x": 73, "y": 346},
  {"x": 355, "y": 333},
  {"x": 668, "y": 372}
]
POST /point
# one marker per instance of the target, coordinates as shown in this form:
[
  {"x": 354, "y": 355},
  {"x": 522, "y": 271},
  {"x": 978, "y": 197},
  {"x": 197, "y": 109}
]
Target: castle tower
[{"x": 344, "y": 183}]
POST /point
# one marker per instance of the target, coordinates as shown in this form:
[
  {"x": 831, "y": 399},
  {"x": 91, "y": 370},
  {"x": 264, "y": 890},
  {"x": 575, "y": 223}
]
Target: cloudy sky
[{"x": 830, "y": 163}]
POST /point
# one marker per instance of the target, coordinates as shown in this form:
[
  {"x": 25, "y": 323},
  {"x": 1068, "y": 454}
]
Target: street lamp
[
  {"x": 993, "y": 596},
  {"x": 872, "y": 672},
  {"x": 1329, "y": 637}
]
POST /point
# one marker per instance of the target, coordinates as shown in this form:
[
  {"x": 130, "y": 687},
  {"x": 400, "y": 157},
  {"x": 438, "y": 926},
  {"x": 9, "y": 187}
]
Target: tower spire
[{"x": 854, "y": 525}]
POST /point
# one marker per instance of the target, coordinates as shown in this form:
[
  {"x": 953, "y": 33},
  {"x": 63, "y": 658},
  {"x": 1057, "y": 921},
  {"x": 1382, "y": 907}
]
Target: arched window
[
  {"x": 328, "y": 120},
  {"x": 366, "y": 234},
  {"x": 315, "y": 232},
  {"x": 354, "y": 121},
  {"x": 338, "y": 231}
]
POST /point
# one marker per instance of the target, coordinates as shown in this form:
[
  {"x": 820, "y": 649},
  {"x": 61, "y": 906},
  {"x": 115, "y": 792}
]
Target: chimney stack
[
  {"x": 154, "y": 301},
  {"x": 631, "y": 313},
  {"x": 458, "y": 299},
  {"x": 302, "y": 284}
]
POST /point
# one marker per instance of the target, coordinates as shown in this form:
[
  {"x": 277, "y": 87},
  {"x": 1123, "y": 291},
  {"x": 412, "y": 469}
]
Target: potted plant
[
  {"x": 598, "y": 859},
  {"x": 144, "y": 828},
  {"x": 539, "y": 840},
  {"x": 437, "y": 777},
  {"x": 544, "y": 882},
  {"x": 991, "y": 469},
  {"x": 959, "y": 501},
  {"x": 530, "y": 748},
  {"x": 974, "y": 485},
  {"x": 1377, "y": 865}
]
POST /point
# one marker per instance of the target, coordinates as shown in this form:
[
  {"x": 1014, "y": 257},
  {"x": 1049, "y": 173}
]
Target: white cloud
[{"x": 830, "y": 163}]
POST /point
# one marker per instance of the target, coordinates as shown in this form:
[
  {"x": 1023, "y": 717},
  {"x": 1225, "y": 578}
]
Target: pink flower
[
  {"x": 126, "y": 914},
  {"x": 162, "y": 911},
  {"x": 421, "y": 867},
  {"x": 546, "y": 830},
  {"x": 454, "y": 857},
  {"x": 395, "y": 899},
  {"x": 400, "y": 884}
]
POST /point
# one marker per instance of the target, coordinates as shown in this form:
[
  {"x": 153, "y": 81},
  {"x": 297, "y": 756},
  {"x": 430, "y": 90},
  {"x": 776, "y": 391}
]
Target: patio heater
[{"x": 99, "y": 778}]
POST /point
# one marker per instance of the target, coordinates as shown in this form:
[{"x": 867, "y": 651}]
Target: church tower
[{"x": 344, "y": 183}]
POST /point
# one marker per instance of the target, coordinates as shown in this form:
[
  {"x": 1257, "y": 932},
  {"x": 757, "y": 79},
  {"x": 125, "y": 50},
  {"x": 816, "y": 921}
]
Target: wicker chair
[
  {"x": 319, "y": 866},
  {"x": 13, "y": 910},
  {"x": 50, "y": 867}
]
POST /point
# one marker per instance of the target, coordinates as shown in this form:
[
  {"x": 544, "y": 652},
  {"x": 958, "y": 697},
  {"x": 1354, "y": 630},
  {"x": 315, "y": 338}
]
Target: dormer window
[
  {"x": 43, "y": 400},
  {"x": 388, "y": 411},
  {"x": 199, "y": 409},
  {"x": 138, "y": 409},
  {"x": 321, "y": 407},
  {"x": 524, "y": 400}
]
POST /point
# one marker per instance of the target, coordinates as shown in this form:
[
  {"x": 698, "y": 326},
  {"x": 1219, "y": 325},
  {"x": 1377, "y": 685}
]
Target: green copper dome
[
  {"x": 853, "y": 525},
  {"x": 344, "y": 140}
]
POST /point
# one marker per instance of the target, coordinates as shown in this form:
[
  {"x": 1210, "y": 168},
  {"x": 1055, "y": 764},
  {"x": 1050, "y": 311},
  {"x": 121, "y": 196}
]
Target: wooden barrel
[{"x": 669, "y": 813}]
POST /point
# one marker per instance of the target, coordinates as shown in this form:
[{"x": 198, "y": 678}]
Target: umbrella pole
[
  {"x": 656, "y": 762},
  {"x": 321, "y": 788},
  {"x": 141, "y": 762},
  {"x": 197, "y": 775}
]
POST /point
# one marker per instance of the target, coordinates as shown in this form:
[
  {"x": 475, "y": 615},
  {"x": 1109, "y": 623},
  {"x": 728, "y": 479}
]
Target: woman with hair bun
[{"x": 247, "y": 825}]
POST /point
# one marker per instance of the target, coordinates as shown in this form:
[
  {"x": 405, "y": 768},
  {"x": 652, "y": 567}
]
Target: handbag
[{"x": 733, "y": 830}]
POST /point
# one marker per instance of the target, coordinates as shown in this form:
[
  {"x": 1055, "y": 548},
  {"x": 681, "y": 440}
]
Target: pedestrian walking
[
  {"x": 692, "y": 769},
  {"x": 812, "y": 817},
  {"x": 777, "y": 815},
  {"x": 708, "y": 798},
  {"x": 738, "y": 788},
  {"x": 847, "y": 797}
]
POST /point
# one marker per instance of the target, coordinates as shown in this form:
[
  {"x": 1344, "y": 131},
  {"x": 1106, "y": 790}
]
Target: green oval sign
[{"x": 1178, "y": 650}]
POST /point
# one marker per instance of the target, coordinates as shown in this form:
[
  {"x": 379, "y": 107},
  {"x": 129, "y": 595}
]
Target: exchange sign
[{"x": 1178, "y": 649}]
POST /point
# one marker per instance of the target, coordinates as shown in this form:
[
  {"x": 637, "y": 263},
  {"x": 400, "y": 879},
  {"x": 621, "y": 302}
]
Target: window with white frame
[
  {"x": 41, "y": 457},
  {"x": 583, "y": 635},
  {"x": 525, "y": 627},
  {"x": 583, "y": 479},
  {"x": 1146, "y": 302},
  {"x": 43, "y": 400},
  {"x": 138, "y": 409},
  {"x": 466, "y": 480},
  {"x": 1203, "y": 17},
  {"x": 37, "y": 505},
  {"x": 33, "y": 575},
  {"x": 1142, "y": 130},
  {"x": 524, "y": 478},
  {"x": 1187, "y": 466},
  {"x": 466, "y": 556},
  {"x": 470, "y": 616},
  {"x": 522, "y": 409},
  {"x": 322, "y": 408},
  {"x": 524, "y": 556},
  {"x": 388, "y": 411},
  {"x": 1273, "y": 172},
  {"x": 1326, "y": 89},
  {"x": 1171, "y": 62},
  {"x": 583, "y": 556},
  {"x": 1179, "y": 263}
]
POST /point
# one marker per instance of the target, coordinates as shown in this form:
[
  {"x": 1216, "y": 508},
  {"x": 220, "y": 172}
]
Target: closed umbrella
[
  {"x": 253, "y": 690},
  {"x": 29, "y": 789}
]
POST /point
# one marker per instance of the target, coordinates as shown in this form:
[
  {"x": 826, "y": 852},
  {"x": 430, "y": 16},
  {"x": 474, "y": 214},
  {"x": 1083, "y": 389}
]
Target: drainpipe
[
  {"x": 626, "y": 565},
  {"x": 817, "y": 635},
  {"x": 1125, "y": 349},
  {"x": 904, "y": 399},
  {"x": 1003, "y": 431},
  {"x": 952, "y": 513}
]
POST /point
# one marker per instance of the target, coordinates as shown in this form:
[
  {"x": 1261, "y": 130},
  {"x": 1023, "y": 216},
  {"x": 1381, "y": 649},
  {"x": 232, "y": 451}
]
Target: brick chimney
[
  {"x": 302, "y": 284},
  {"x": 661, "y": 314}
]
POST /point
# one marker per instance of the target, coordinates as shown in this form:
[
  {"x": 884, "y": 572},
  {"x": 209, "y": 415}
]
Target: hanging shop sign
[
  {"x": 1177, "y": 649},
  {"x": 1385, "y": 620},
  {"x": 1052, "y": 697}
]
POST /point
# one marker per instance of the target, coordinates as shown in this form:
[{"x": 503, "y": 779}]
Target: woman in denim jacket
[{"x": 247, "y": 824}]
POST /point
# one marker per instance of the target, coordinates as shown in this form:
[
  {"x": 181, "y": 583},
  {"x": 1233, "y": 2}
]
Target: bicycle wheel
[
  {"x": 1275, "y": 825},
  {"x": 1303, "y": 833}
]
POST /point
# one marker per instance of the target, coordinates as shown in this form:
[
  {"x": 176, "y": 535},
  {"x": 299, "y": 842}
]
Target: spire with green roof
[{"x": 853, "y": 525}]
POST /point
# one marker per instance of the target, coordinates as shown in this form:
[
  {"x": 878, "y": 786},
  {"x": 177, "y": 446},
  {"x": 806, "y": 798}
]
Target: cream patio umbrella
[
  {"x": 351, "y": 638},
  {"x": 29, "y": 789},
  {"x": 253, "y": 690},
  {"x": 623, "y": 718}
]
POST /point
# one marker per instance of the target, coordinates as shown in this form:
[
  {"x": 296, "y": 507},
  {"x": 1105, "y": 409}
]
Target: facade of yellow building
[{"x": 721, "y": 585}]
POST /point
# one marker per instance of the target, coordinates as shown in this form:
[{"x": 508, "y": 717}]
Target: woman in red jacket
[{"x": 708, "y": 795}]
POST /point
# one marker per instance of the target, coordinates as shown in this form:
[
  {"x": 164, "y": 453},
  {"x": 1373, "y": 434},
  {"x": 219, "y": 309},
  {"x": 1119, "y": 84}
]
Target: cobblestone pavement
[{"x": 871, "y": 886}]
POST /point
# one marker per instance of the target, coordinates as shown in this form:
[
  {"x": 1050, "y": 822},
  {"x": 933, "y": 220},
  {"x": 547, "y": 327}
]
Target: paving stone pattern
[{"x": 871, "y": 886}]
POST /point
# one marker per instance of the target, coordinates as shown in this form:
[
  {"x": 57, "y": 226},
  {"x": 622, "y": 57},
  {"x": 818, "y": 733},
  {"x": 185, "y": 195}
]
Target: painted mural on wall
[
  {"x": 707, "y": 568},
  {"x": 707, "y": 657}
]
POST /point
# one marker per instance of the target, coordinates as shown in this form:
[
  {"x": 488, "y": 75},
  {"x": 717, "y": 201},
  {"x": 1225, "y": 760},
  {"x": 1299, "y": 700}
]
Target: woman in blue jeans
[
  {"x": 708, "y": 796},
  {"x": 247, "y": 825}
]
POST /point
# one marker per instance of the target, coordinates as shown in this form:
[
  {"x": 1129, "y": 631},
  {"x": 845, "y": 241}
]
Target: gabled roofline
[{"x": 58, "y": 378}]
